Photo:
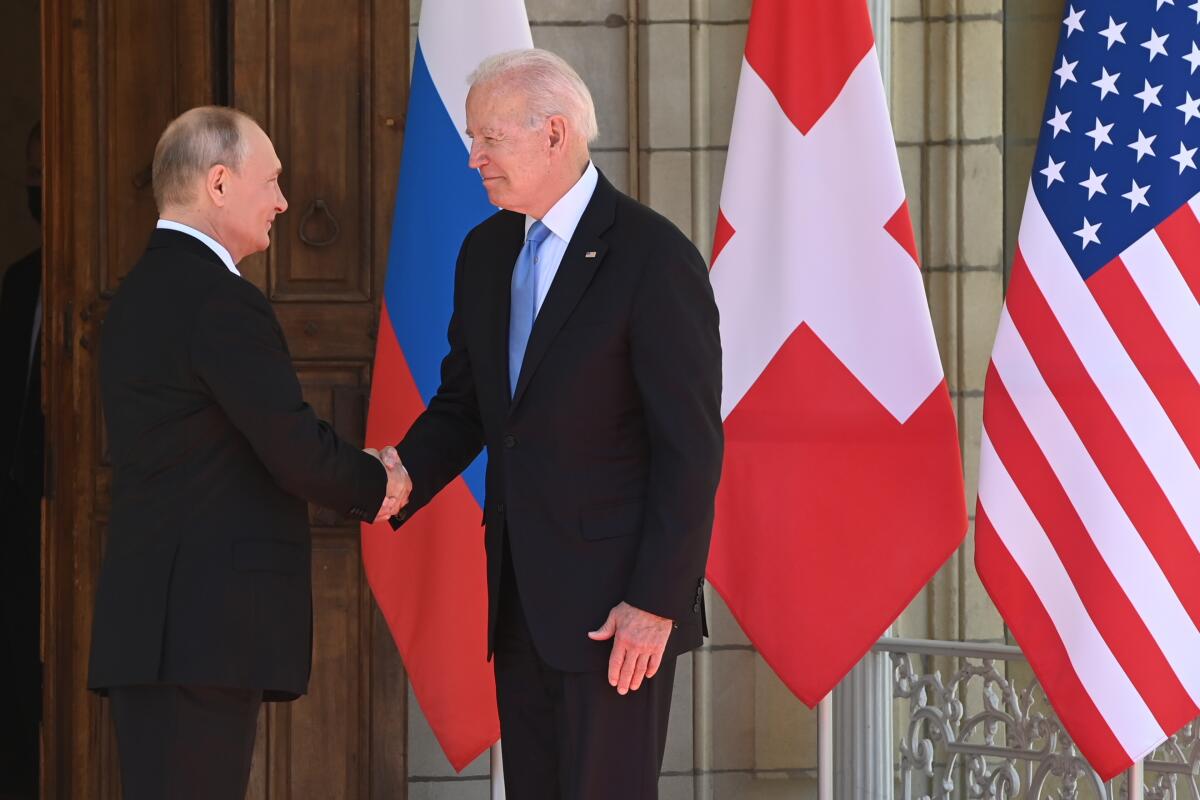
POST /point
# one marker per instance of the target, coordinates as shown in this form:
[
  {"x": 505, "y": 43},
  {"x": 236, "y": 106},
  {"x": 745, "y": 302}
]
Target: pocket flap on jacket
[
  {"x": 268, "y": 555},
  {"x": 609, "y": 522}
]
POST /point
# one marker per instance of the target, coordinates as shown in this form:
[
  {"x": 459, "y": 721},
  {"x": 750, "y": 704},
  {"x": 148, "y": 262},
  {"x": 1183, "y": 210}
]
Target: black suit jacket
[
  {"x": 603, "y": 466},
  {"x": 21, "y": 424},
  {"x": 207, "y": 571}
]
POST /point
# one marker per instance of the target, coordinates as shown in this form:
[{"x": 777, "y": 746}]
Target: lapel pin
[{"x": 590, "y": 254}]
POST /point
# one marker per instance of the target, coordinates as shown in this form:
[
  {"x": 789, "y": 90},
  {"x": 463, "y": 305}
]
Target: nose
[
  {"x": 477, "y": 158},
  {"x": 281, "y": 203}
]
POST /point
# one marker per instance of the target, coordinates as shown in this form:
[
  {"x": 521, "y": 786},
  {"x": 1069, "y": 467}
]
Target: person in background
[{"x": 21, "y": 464}]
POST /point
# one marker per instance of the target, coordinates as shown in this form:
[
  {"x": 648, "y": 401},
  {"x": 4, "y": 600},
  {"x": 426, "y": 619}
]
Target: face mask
[{"x": 35, "y": 202}]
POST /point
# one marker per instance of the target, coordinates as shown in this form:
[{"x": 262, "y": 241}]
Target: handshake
[{"x": 399, "y": 484}]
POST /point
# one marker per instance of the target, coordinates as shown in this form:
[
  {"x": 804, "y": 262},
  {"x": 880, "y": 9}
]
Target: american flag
[{"x": 1089, "y": 489}]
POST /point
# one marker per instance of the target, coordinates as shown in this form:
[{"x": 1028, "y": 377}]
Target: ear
[
  {"x": 216, "y": 183},
  {"x": 558, "y": 129}
]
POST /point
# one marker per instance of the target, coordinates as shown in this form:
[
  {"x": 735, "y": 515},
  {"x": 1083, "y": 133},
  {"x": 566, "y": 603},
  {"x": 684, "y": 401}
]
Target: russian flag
[{"x": 430, "y": 578}]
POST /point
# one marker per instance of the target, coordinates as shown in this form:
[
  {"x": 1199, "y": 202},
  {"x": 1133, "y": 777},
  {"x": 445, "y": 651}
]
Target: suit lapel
[{"x": 583, "y": 257}]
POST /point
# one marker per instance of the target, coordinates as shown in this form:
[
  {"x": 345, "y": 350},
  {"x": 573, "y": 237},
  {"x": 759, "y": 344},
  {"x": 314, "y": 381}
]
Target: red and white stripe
[{"x": 1089, "y": 490}]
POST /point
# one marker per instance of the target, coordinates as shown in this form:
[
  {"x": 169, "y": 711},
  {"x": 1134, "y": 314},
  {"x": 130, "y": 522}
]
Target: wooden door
[{"x": 328, "y": 82}]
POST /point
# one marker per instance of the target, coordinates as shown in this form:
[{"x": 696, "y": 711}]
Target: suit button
[
  {"x": 510, "y": 441},
  {"x": 696, "y": 608},
  {"x": 499, "y": 508}
]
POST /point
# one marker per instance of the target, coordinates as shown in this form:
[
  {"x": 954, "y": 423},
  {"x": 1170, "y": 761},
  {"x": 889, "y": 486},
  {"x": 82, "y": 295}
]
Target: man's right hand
[{"x": 399, "y": 485}]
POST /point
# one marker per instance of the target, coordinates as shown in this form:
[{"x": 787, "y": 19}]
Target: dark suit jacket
[
  {"x": 21, "y": 448},
  {"x": 603, "y": 467},
  {"x": 21, "y": 424},
  {"x": 207, "y": 572}
]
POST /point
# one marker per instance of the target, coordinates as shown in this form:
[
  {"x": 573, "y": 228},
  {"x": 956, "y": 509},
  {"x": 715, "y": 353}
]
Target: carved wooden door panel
[{"x": 328, "y": 82}]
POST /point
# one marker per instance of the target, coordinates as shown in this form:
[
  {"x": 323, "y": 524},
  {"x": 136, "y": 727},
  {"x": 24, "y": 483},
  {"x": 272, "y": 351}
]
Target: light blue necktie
[{"x": 524, "y": 302}]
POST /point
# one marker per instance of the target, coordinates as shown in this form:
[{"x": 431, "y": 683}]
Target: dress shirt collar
[
  {"x": 563, "y": 217},
  {"x": 213, "y": 244}
]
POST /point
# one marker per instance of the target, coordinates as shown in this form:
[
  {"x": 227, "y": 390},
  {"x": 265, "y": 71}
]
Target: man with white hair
[
  {"x": 585, "y": 355},
  {"x": 204, "y": 605}
]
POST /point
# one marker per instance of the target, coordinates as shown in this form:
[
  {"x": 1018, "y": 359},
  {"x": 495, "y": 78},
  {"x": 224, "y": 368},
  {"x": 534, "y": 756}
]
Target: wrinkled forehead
[{"x": 495, "y": 105}]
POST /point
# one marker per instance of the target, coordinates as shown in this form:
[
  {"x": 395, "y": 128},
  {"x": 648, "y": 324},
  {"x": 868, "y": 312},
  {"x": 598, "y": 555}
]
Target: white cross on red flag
[{"x": 842, "y": 488}]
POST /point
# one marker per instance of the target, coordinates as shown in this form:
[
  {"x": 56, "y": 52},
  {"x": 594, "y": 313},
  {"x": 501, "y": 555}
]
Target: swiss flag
[{"x": 842, "y": 488}]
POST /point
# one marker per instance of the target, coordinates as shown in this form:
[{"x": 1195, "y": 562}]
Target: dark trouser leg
[
  {"x": 568, "y": 735},
  {"x": 526, "y": 696},
  {"x": 184, "y": 742},
  {"x": 614, "y": 745}
]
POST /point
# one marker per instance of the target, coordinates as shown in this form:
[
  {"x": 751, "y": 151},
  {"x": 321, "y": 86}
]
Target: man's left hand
[{"x": 639, "y": 639}]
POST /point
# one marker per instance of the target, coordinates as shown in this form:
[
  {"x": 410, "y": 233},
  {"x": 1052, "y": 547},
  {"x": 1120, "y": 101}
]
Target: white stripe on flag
[
  {"x": 455, "y": 35},
  {"x": 1105, "y": 359},
  {"x": 1115, "y": 537},
  {"x": 1106, "y": 683},
  {"x": 1167, "y": 293}
]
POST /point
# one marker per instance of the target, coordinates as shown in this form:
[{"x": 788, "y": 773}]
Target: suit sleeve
[
  {"x": 448, "y": 435},
  {"x": 676, "y": 357},
  {"x": 239, "y": 352}
]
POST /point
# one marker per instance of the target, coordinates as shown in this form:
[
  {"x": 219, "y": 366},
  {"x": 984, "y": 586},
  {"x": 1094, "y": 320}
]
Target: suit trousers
[
  {"x": 569, "y": 735},
  {"x": 185, "y": 742}
]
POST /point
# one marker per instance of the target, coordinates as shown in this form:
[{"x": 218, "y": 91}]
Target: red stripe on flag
[
  {"x": 1109, "y": 607},
  {"x": 1104, "y": 437},
  {"x": 1180, "y": 234},
  {"x": 901, "y": 229},
  {"x": 1151, "y": 349},
  {"x": 820, "y": 483},
  {"x": 1035, "y": 633},
  {"x": 430, "y": 581},
  {"x": 721, "y": 236},
  {"x": 805, "y": 52}
]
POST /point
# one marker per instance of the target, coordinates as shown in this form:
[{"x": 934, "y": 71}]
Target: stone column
[
  {"x": 862, "y": 702},
  {"x": 881, "y": 21},
  {"x": 862, "y": 731}
]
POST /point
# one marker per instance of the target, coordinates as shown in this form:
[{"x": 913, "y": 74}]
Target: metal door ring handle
[{"x": 315, "y": 206}]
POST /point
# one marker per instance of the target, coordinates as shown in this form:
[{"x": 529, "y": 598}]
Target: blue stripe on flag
[{"x": 438, "y": 201}]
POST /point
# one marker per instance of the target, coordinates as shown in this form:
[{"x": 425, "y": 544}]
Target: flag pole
[
  {"x": 497, "y": 773},
  {"x": 1135, "y": 781},
  {"x": 825, "y": 748}
]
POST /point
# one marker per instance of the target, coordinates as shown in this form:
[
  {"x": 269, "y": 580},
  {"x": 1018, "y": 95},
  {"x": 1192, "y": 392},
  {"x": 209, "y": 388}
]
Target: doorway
[{"x": 328, "y": 83}]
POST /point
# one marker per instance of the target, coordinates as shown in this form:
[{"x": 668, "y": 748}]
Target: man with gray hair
[
  {"x": 204, "y": 605},
  {"x": 585, "y": 355}
]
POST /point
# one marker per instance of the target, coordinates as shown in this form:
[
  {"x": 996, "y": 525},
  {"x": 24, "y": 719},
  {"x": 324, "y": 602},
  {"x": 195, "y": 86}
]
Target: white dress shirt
[
  {"x": 213, "y": 244},
  {"x": 562, "y": 219}
]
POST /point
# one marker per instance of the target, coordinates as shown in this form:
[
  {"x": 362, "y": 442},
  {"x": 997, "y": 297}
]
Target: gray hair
[
  {"x": 195, "y": 142},
  {"x": 548, "y": 83}
]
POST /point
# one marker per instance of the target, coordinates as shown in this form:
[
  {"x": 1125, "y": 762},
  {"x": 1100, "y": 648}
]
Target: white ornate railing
[{"x": 975, "y": 724}]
